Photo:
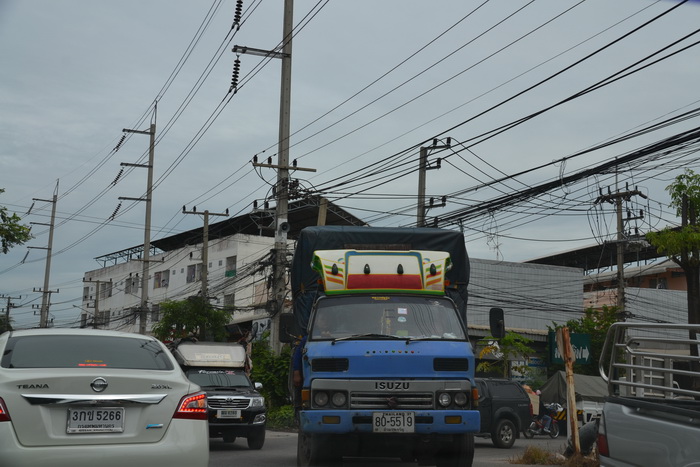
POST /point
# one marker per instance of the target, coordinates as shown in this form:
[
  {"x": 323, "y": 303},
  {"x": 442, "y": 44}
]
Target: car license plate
[
  {"x": 228, "y": 413},
  {"x": 393, "y": 422},
  {"x": 96, "y": 420}
]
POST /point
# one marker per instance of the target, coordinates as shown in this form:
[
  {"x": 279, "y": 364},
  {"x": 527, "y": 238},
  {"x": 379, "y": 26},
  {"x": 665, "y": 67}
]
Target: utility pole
[
  {"x": 143, "y": 315},
  {"x": 282, "y": 187},
  {"x": 205, "y": 247},
  {"x": 7, "y": 309},
  {"x": 423, "y": 167},
  {"x": 617, "y": 198},
  {"x": 46, "y": 293}
]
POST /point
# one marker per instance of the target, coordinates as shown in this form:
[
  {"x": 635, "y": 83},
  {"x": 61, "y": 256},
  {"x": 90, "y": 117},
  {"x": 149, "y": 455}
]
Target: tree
[
  {"x": 12, "y": 233},
  {"x": 682, "y": 245},
  {"x": 510, "y": 347},
  {"x": 191, "y": 317},
  {"x": 595, "y": 323},
  {"x": 5, "y": 324}
]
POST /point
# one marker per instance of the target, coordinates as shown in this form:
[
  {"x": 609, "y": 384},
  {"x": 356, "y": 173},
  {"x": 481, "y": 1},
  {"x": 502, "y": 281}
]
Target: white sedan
[{"x": 79, "y": 397}]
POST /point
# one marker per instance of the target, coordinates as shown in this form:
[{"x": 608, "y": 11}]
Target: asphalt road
[{"x": 280, "y": 451}]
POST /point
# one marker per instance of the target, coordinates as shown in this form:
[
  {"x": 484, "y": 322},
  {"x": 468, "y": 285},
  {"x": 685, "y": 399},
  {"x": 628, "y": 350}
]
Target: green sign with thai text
[{"x": 580, "y": 343}]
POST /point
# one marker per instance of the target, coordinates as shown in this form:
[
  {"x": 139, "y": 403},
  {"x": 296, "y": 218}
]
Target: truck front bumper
[{"x": 360, "y": 421}]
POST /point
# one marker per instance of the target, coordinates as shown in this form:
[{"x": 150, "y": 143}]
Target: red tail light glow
[
  {"x": 4, "y": 415},
  {"x": 192, "y": 407}
]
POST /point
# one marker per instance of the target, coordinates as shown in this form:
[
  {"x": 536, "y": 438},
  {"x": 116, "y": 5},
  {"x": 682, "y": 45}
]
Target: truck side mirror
[
  {"x": 497, "y": 323},
  {"x": 289, "y": 330}
]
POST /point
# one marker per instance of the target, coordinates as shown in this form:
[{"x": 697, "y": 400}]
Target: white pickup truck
[{"x": 651, "y": 416}]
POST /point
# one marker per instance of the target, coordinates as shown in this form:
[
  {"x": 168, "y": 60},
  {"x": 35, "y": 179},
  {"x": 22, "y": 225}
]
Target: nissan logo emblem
[{"x": 99, "y": 384}]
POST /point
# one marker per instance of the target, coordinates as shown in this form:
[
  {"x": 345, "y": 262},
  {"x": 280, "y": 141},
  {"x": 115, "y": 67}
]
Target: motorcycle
[{"x": 537, "y": 425}]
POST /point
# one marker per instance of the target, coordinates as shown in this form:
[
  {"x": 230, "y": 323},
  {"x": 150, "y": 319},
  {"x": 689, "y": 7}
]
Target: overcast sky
[{"x": 371, "y": 82}]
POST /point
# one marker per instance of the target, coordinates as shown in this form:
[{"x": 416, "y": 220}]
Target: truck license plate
[
  {"x": 228, "y": 413},
  {"x": 393, "y": 422},
  {"x": 97, "y": 420}
]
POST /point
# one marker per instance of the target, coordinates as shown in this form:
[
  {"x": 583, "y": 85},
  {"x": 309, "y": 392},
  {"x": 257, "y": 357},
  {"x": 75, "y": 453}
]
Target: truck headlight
[
  {"x": 339, "y": 399},
  {"x": 461, "y": 399},
  {"x": 320, "y": 398},
  {"x": 257, "y": 401},
  {"x": 444, "y": 399}
]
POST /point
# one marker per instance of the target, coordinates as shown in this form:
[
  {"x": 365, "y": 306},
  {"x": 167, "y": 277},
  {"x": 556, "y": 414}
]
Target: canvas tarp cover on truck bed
[
  {"x": 586, "y": 387},
  {"x": 305, "y": 280}
]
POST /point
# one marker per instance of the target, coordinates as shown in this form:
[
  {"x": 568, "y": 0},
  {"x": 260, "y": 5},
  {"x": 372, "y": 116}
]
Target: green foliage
[
  {"x": 12, "y": 233},
  {"x": 191, "y": 317},
  {"x": 272, "y": 371},
  {"x": 686, "y": 185},
  {"x": 595, "y": 323},
  {"x": 5, "y": 324},
  {"x": 281, "y": 417},
  {"x": 686, "y": 240},
  {"x": 512, "y": 345}
]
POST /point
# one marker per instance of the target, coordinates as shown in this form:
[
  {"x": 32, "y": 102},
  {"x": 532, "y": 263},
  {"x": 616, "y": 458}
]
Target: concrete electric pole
[
  {"x": 205, "y": 247},
  {"x": 46, "y": 293},
  {"x": 423, "y": 167},
  {"x": 143, "y": 310}
]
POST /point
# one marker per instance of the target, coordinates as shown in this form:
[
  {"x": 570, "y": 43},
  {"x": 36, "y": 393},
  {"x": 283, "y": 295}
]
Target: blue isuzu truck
[{"x": 385, "y": 366}]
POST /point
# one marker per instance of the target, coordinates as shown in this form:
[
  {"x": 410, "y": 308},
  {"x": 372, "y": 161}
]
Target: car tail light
[
  {"x": 602, "y": 440},
  {"x": 192, "y": 407},
  {"x": 4, "y": 415}
]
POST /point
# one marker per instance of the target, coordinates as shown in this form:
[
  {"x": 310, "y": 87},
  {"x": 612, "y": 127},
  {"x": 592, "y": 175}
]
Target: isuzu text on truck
[{"x": 388, "y": 370}]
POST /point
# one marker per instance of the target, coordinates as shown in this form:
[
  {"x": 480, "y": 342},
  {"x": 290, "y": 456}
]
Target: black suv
[{"x": 505, "y": 410}]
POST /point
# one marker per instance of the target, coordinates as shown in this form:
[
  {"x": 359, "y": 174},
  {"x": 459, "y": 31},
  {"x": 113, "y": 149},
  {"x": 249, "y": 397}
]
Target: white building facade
[{"x": 237, "y": 273}]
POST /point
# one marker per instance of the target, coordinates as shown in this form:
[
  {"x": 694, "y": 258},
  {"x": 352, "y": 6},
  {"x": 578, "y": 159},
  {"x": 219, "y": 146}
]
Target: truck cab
[
  {"x": 388, "y": 370},
  {"x": 235, "y": 407}
]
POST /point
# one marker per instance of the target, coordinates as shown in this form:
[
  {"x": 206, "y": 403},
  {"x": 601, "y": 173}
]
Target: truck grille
[
  {"x": 387, "y": 400},
  {"x": 451, "y": 364},
  {"x": 228, "y": 403},
  {"x": 329, "y": 364}
]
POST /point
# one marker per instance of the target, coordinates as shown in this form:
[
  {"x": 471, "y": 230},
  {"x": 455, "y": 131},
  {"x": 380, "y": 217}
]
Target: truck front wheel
[
  {"x": 313, "y": 450},
  {"x": 459, "y": 454}
]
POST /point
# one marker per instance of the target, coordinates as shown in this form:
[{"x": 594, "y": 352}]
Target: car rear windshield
[
  {"x": 219, "y": 378},
  {"x": 89, "y": 351}
]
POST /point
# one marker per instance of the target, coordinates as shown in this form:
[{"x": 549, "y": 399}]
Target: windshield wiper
[{"x": 367, "y": 335}]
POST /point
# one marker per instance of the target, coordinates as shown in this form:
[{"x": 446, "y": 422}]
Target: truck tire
[
  {"x": 460, "y": 453},
  {"x": 503, "y": 436},
  {"x": 313, "y": 450},
  {"x": 256, "y": 439}
]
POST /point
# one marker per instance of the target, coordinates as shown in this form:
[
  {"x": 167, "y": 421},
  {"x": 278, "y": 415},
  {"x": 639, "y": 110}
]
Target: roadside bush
[
  {"x": 273, "y": 372},
  {"x": 281, "y": 418}
]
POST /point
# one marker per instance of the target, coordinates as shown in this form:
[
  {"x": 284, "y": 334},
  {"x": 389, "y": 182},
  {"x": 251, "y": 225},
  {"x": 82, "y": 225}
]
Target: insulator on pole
[
  {"x": 234, "y": 77},
  {"x": 237, "y": 15}
]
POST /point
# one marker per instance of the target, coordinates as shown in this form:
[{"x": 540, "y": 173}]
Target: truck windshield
[
  {"x": 219, "y": 378},
  {"x": 374, "y": 316}
]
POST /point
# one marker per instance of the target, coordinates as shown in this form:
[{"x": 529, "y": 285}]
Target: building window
[
  {"x": 221, "y": 263},
  {"x": 105, "y": 289},
  {"x": 194, "y": 272},
  {"x": 229, "y": 301},
  {"x": 131, "y": 285},
  {"x": 155, "y": 313},
  {"x": 662, "y": 284},
  {"x": 161, "y": 279},
  {"x": 86, "y": 294},
  {"x": 230, "y": 266}
]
